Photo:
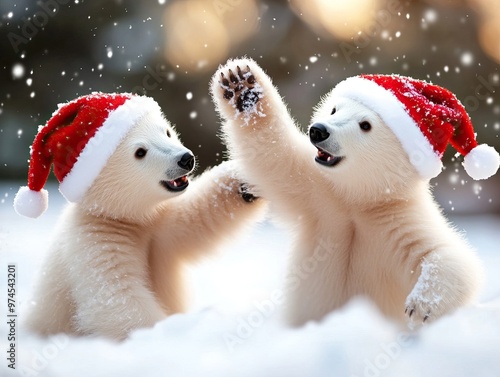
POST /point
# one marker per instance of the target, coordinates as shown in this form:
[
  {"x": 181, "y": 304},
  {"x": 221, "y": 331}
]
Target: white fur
[
  {"x": 116, "y": 263},
  {"x": 367, "y": 226}
]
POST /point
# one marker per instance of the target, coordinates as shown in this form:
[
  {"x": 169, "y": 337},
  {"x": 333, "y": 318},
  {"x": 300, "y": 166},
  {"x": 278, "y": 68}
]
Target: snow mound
[{"x": 354, "y": 341}]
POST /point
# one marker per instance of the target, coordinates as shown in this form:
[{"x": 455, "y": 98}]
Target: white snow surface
[{"x": 234, "y": 327}]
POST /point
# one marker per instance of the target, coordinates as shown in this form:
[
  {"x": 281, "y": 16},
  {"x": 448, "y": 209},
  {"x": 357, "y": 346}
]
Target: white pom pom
[
  {"x": 482, "y": 162},
  {"x": 31, "y": 203}
]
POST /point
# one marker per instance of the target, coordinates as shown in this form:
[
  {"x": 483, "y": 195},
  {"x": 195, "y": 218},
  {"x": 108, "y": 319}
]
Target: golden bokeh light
[
  {"x": 195, "y": 36},
  {"x": 489, "y": 28},
  {"x": 199, "y": 33},
  {"x": 339, "y": 18},
  {"x": 489, "y": 37}
]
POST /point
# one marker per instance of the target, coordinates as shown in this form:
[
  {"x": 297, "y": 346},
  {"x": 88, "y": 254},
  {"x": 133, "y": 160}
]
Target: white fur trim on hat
[
  {"x": 393, "y": 113},
  {"x": 31, "y": 203},
  {"x": 481, "y": 162},
  {"x": 102, "y": 145}
]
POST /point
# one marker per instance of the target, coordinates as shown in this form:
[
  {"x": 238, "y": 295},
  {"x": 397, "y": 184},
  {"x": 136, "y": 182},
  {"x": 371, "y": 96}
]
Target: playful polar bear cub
[
  {"x": 356, "y": 191},
  {"x": 116, "y": 262}
]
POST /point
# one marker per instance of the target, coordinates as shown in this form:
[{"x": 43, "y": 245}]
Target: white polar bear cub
[
  {"x": 116, "y": 263},
  {"x": 364, "y": 219}
]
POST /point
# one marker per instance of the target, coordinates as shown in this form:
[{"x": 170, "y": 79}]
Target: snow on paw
[
  {"x": 242, "y": 91},
  {"x": 230, "y": 181},
  {"x": 425, "y": 301}
]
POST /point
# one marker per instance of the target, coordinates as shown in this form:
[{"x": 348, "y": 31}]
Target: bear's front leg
[
  {"x": 260, "y": 133},
  {"x": 217, "y": 206},
  {"x": 448, "y": 279}
]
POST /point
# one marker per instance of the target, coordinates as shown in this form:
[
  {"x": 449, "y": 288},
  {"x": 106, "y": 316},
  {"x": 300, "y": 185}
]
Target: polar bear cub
[
  {"x": 116, "y": 263},
  {"x": 363, "y": 217}
]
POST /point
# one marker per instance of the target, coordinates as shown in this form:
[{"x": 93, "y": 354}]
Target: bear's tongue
[
  {"x": 324, "y": 156},
  {"x": 326, "y": 159},
  {"x": 179, "y": 181},
  {"x": 176, "y": 185}
]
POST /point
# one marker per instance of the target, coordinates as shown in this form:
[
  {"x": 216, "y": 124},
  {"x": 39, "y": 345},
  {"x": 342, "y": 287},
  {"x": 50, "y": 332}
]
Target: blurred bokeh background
[{"x": 52, "y": 51}]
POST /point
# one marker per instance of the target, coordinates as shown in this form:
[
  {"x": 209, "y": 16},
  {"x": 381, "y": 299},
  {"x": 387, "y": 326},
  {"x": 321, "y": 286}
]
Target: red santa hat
[
  {"x": 425, "y": 118},
  {"x": 78, "y": 140}
]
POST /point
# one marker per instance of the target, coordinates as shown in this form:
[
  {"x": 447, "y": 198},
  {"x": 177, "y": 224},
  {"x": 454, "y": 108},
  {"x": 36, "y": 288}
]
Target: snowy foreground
[{"x": 234, "y": 327}]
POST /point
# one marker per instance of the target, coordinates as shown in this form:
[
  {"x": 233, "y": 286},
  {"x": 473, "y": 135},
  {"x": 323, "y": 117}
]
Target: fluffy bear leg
[
  {"x": 260, "y": 133},
  {"x": 447, "y": 280},
  {"x": 215, "y": 208},
  {"x": 213, "y": 211}
]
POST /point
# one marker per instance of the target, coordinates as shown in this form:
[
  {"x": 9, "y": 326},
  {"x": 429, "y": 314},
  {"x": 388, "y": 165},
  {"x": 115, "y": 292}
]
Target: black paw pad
[{"x": 247, "y": 100}]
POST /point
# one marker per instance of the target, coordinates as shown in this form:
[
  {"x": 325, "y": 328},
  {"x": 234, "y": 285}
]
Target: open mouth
[
  {"x": 326, "y": 159},
  {"x": 176, "y": 185}
]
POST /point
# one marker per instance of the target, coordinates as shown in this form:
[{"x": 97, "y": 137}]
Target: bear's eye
[
  {"x": 333, "y": 111},
  {"x": 168, "y": 133},
  {"x": 365, "y": 126},
  {"x": 140, "y": 153}
]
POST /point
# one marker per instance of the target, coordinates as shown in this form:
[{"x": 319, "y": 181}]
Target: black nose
[
  {"x": 187, "y": 161},
  {"x": 318, "y": 133}
]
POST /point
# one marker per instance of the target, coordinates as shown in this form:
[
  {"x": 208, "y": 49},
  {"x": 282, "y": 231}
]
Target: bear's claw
[
  {"x": 411, "y": 310},
  {"x": 427, "y": 298},
  {"x": 418, "y": 312}
]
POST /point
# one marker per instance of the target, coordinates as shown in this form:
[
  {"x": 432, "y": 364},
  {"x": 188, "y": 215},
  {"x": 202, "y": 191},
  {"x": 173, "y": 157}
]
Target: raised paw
[{"x": 241, "y": 89}]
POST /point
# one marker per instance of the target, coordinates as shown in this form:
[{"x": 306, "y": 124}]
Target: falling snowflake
[
  {"x": 453, "y": 178},
  {"x": 17, "y": 71},
  {"x": 467, "y": 58},
  {"x": 430, "y": 16}
]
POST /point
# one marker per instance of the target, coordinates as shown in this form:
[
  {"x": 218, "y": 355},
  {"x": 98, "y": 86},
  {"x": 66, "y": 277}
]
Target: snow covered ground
[{"x": 234, "y": 328}]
